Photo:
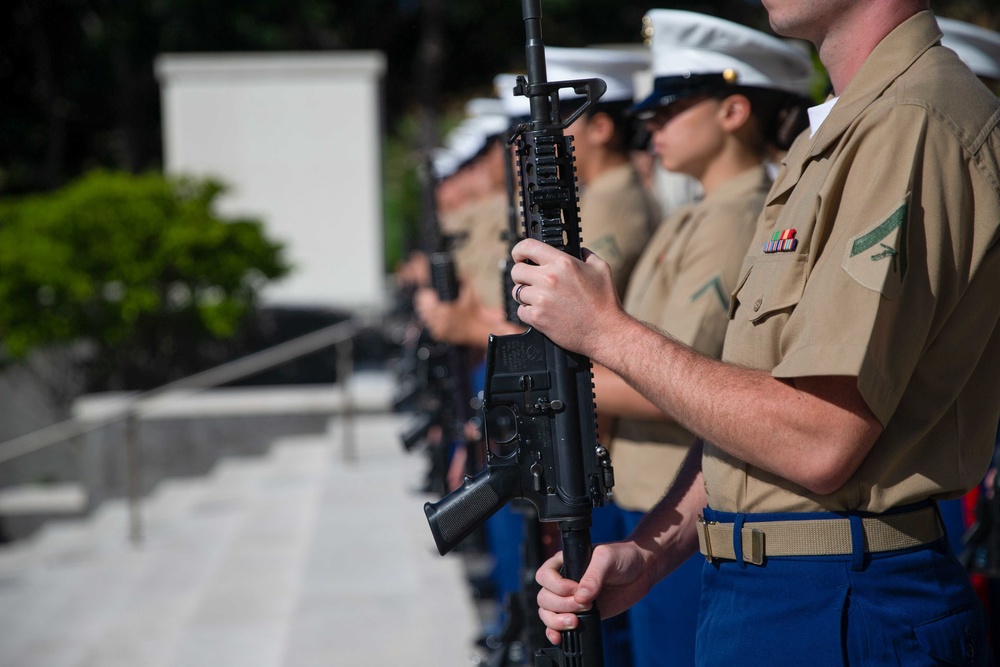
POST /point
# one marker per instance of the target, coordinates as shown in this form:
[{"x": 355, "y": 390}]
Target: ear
[
  {"x": 734, "y": 112},
  {"x": 601, "y": 128}
]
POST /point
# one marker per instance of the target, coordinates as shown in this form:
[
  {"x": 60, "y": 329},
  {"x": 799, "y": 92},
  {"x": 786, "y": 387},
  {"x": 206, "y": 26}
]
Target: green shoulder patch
[
  {"x": 713, "y": 286},
  {"x": 877, "y": 258}
]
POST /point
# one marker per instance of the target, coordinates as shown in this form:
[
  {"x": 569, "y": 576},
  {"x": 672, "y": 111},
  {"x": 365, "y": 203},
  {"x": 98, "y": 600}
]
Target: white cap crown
[
  {"x": 617, "y": 67},
  {"x": 685, "y": 43}
]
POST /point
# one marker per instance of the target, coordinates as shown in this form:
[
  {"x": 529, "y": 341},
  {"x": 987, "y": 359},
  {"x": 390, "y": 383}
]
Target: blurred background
[{"x": 185, "y": 186}]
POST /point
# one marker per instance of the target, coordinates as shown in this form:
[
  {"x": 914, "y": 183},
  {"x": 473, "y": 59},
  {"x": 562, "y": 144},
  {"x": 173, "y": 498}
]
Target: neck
[
  {"x": 599, "y": 163},
  {"x": 726, "y": 168},
  {"x": 845, "y": 46}
]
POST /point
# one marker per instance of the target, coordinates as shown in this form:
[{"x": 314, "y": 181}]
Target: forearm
[
  {"x": 463, "y": 322},
  {"x": 780, "y": 426},
  {"x": 667, "y": 534},
  {"x": 616, "y": 397}
]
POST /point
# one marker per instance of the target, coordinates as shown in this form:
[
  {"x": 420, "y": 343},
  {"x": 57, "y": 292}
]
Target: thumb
[
  {"x": 590, "y": 257},
  {"x": 592, "y": 581}
]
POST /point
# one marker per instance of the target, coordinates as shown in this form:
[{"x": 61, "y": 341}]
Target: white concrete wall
[{"x": 297, "y": 136}]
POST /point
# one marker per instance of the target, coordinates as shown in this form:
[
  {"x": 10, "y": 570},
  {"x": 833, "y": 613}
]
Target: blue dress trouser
[
  {"x": 907, "y": 608},
  {"x": 953, "y": 518},
  {"x": 664, "y": 622}
]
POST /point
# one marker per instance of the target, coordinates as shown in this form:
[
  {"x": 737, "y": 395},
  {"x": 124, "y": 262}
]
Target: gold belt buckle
[{"x": 706, "y": 540}]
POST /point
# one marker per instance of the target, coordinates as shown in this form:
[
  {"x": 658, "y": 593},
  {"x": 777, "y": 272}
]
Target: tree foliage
[
  {"x": 79, "y": 89},
  {"x": 140, "y": 267}
]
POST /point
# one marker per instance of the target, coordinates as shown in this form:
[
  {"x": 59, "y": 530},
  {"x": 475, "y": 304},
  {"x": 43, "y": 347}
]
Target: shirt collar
[
  {"x": 818, "y": 114},
  {"x": 893, "y": 56}
]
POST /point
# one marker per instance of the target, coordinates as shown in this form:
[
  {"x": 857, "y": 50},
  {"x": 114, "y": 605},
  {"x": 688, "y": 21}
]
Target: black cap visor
[{"x": 669, "y": 89}]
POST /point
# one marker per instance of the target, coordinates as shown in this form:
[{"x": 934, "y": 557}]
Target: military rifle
[{"x": 538, "y": 404}]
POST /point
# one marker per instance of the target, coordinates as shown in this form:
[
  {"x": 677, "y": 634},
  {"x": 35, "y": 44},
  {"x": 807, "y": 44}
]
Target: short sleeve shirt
[
  {"x": 877, "y": 257},
  {"x": 681, "y": 285},
  {"x": 481, "y": 256},
  {"x": 617, "y": 217}
]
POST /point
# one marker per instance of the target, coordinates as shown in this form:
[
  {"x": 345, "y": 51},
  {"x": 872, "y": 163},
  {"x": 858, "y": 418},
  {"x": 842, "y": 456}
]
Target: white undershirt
[{"x": 819, "y": 113}]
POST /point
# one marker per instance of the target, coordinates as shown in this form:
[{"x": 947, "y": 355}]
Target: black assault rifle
[
  {"x": 438, "y": 381},
  {"x": 538, "y": 402},
  {"x": 523, "y": 632}
]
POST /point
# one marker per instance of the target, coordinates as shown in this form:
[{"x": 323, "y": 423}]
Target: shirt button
[{"x": 757, "y": 304}]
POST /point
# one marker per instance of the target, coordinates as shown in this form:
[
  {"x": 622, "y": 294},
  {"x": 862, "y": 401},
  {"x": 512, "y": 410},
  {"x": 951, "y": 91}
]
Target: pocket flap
[{"x": 771, "y": 285}]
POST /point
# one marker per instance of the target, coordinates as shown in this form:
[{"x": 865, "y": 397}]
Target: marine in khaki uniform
[
  {"x": 484, "y": 215},
  {"x": 882, "y": 279},
  {"x": 483, "y": 250},
  {"x": 716, "y": 132},
  {"x": 618, "y": 216},
  {"x": 859, "y": 381},
  {"x": 478, "y": 223},
  {"x": 681, "y": 286},
  {"x": 467, "y": 180}
]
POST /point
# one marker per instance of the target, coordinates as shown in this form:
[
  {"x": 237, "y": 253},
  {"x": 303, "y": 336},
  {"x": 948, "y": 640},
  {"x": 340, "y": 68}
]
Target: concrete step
[
  {"x": 293, "y": 559},
  {"x": 378, "y": 592},
  {"x": 83, "y": 583},
  {"x": 244, "y": 612}
]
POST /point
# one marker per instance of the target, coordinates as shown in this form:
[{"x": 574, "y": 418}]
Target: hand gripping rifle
[{"x": 539, "y": 402}]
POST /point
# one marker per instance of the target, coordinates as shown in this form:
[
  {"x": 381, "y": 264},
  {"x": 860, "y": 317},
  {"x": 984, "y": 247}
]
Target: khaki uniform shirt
[
  {"x": 894, "y": 278},
  {"x": 617, "y": 217},
  {"x": 615, "y": 212},
  {"x": 481, "y": 256},
  {"x": 681, "y": 285},
  {"x": 453, "y": 223}
]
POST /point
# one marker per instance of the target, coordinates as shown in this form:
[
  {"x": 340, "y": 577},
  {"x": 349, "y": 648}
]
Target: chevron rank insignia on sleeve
[
  {"x": 877, "y": 258},
  {"x": 716, "y": 288}
]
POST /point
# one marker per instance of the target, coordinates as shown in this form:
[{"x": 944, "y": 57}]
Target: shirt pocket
[{"x": 769, "y": 286}]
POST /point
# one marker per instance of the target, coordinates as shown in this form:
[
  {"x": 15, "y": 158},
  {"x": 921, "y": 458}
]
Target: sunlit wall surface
[{"x": 297, "y": 136}]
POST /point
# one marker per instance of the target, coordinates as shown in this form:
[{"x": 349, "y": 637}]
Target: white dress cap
[
  {"x": 685, "y": 43},
  {"x": 979, "y": 48},
  {"x": 444, "y": 162},
  {"x": 484, "y": 106},
  {"x": 474, "y": 133},
  {"x": 464, "y": 142},
  {"x": 617, "y": 67}
]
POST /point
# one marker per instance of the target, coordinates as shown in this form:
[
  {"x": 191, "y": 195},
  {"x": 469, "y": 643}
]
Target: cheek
[
  {"x": 681, "y": 134},
  {"x": 685, "y": 143}
]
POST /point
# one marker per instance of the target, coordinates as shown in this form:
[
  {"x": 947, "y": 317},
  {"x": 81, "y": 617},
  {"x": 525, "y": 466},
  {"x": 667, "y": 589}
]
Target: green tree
[{"x": 140, "y": 268}]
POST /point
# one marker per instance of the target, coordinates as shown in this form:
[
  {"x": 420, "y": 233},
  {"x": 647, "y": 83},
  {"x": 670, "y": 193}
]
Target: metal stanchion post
[{"x": 134, "y": 474}]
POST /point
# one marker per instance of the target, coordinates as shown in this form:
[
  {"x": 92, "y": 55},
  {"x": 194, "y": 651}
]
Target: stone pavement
[{"x": 299, "y": 558}]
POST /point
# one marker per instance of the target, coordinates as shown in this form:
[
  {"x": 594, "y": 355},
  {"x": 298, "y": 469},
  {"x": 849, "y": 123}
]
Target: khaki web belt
[{"x": 818, "y": 537}]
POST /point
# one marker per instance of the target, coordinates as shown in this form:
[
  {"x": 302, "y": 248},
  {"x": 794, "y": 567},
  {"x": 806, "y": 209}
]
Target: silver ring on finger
[{"x": 517, "y": 294}]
